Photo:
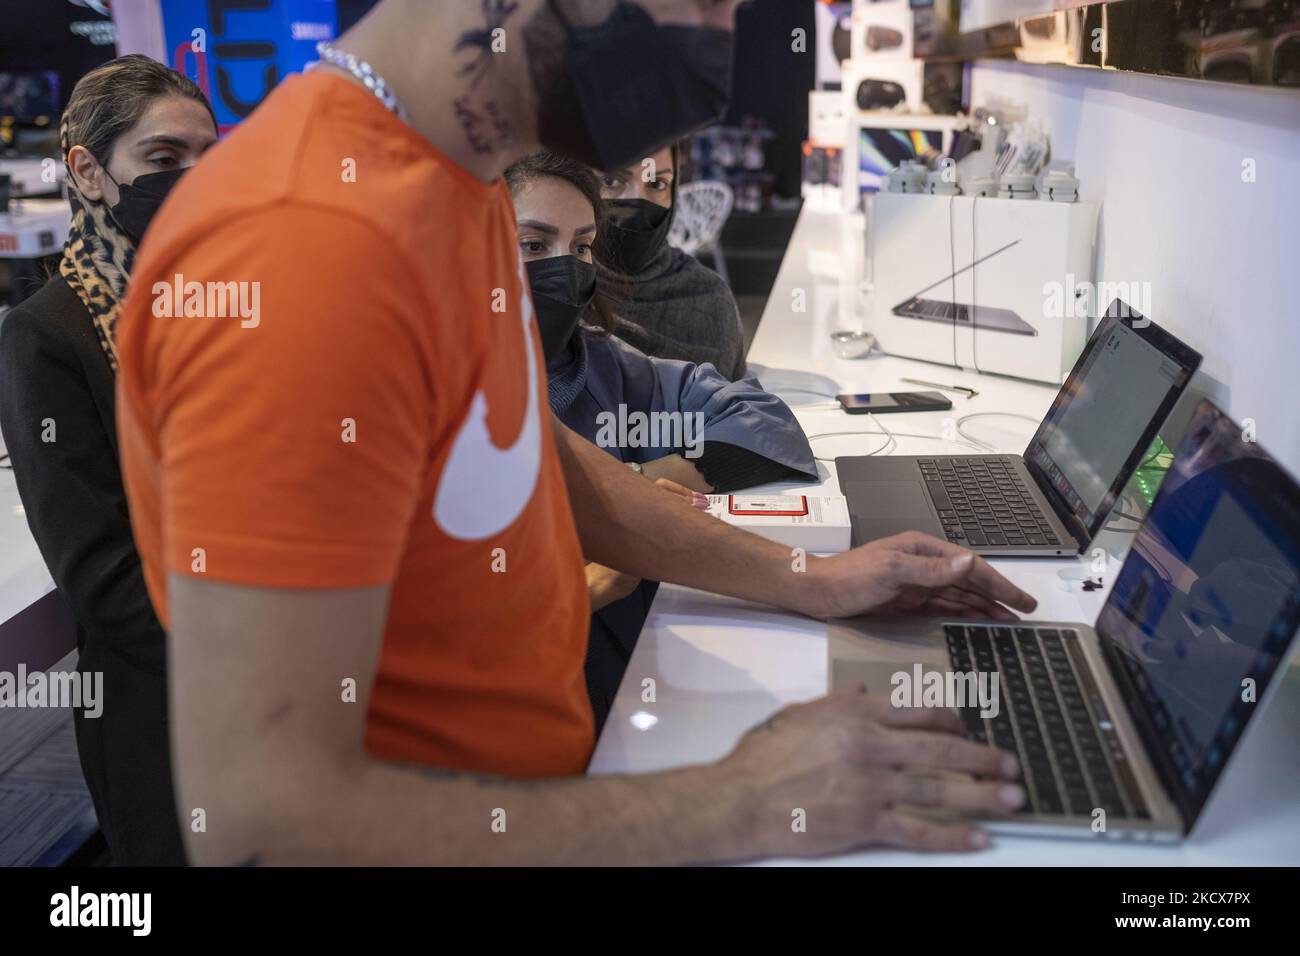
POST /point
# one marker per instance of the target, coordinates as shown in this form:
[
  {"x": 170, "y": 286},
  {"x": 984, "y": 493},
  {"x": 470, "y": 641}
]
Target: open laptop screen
[
  {"x": 1108, "y": 412},
  {"x": 1207, "y": 602}
]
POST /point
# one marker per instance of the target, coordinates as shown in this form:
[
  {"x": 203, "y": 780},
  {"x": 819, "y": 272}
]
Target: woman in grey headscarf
[{"x": 675, "y": 306}]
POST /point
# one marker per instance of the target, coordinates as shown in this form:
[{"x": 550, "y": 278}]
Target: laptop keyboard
[
  {"x": 933, "y": 309},
  {"x": 982, "y": 501},
  {"x": 1070, "y": 756}
]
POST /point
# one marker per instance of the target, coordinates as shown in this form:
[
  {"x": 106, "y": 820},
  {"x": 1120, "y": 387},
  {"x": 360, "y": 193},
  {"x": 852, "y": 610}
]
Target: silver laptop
[
  {"x": 936, "y": 309},
  {"x": 1124, "y": 728},
  {"x": 1053, "y": 499}
]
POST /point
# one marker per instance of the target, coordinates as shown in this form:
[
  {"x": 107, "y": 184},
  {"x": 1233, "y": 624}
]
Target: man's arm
[
  {"x": 627, "y": 523},
  {"x": 678, "y": 469},
  {"x": 266, "y": 746}
]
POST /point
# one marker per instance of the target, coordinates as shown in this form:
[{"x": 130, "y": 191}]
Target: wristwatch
[{"x": 636, "y": 466}]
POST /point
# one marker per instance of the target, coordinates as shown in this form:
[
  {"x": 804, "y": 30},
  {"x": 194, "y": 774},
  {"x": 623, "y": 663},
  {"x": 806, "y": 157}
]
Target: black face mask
[
  {"x": 563, "y": 287},
  {"x": 633, "y": 232},
  {"x": 139, "y": 201},
  {"x": 631, "y": 86}
]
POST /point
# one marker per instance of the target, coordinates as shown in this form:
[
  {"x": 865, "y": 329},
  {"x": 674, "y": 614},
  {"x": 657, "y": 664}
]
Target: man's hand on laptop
[
  {"x": 838, "y": 773},
  {"x": 913, "y": 573}
]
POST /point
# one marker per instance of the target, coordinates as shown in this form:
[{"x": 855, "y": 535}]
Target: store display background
[{"x": 1165, "y": 158}]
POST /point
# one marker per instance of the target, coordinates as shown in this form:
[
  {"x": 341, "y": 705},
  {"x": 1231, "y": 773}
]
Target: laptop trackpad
[
  {"x": 882, "y": 508},
  {"x": 888, "y": 499}
]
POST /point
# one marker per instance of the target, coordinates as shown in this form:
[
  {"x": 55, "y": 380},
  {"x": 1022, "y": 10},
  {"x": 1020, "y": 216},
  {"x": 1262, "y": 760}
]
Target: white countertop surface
[
  {"x": 720, "y": 666},
  {"x": 23, "y": 577}
]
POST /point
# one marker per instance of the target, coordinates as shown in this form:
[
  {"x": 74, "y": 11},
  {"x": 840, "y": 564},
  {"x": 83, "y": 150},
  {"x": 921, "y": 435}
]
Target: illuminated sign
[{"x": 238, "y": 50}]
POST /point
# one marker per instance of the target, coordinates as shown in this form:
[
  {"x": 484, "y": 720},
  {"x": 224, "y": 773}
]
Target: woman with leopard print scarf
[{"x": 131, "y": 128}]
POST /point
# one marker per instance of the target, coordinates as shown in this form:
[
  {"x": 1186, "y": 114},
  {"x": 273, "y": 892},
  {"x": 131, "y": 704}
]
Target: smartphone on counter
[{"x": 882, "y": 403}]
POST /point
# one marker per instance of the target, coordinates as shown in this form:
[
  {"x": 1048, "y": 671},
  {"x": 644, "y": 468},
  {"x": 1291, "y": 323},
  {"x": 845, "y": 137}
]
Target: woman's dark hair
[
  {"x": 110, "y": 99},
  {"x": 544, "y": 164}
]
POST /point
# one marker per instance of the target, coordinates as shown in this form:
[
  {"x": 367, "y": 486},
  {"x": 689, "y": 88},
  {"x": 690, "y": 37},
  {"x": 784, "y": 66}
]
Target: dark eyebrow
[
  {"x": 163, "y": 140},
  {"x": 585, "y": 229},
  {"x": 545, "y": 227}
]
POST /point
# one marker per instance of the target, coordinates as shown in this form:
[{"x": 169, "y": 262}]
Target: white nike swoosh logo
[{"x": 483, "y": 488}]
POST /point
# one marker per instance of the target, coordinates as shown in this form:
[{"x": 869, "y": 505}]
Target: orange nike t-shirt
[{"x": 331, "y": 378}]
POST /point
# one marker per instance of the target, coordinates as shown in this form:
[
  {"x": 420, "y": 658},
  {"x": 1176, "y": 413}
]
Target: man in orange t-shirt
[
  {"x": 365, "y": 533},
  {"x": 370, "y": 421}
]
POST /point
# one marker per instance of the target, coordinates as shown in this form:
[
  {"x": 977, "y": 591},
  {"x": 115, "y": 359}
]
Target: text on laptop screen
[
  {"x": 1102, "y": 415},
  {"x": 1208, "y": 599}
]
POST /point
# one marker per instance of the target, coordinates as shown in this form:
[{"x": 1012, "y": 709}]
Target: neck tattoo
[
  {"x": 481, "y": 118},
  {"x": 486, "y": 41}
]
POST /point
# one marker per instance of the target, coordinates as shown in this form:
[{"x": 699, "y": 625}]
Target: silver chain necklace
[{"x": 364, "y": 72}]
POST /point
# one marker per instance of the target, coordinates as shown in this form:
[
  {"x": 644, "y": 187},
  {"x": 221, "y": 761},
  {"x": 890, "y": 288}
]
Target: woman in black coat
[{"x": 132, "y": 127}]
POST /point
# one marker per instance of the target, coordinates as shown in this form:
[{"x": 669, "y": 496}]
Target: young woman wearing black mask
[
  {"x": 131, "y": 129},
  {"x": 678, "y": 307},
  {"x": 749, "y": 436}
]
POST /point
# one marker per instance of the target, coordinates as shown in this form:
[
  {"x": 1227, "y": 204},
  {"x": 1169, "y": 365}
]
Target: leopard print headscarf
[{"x": 97, "y": 259}]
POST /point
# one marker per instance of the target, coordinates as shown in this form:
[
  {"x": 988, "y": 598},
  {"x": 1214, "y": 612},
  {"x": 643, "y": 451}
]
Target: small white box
[
  {"x": 828, "y": 119},
  {"x": 817, "y": 523}
]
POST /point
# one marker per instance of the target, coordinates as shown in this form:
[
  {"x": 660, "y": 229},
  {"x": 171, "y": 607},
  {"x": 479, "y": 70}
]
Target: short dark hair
[
  {"x": 544, "y": 164},
  {"x": 110, "y": 99}
]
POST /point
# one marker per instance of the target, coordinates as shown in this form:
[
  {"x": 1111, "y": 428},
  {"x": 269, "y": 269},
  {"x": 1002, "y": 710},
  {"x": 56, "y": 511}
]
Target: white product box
[
  {"x": 828, "y": 120},
  {"x": 887, "y": 72},
  {"x": 833, "y": 26},
  {"x": 1005, "y": 264},
  {"x": 817, "y": 523},
  {"x": 882, "y": 28}
]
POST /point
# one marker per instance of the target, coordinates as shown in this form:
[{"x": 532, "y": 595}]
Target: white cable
[
  {"x": 952, "y": 260},
  {"x": 883, "y": 427},
  {"x": 971, "y": 415},
  {"x": 980, "y": 443},
  {"x": 778, "y": 392},
  {"x": 974, "y": 296},
  {"x": 889, "y": 444},
  {"x": 891, "y": 438},
  {"x": 889, "y": 441},
  {"x": 1118, "y": 511}
]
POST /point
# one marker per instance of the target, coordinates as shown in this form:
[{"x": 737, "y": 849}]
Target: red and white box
[{"x": 816, "y": 523}]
